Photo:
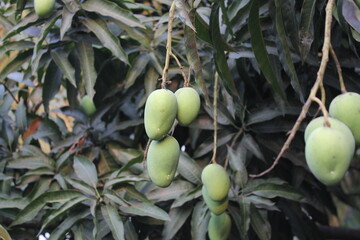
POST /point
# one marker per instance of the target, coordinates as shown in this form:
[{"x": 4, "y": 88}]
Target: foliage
[{"x": 82, "y": 177}]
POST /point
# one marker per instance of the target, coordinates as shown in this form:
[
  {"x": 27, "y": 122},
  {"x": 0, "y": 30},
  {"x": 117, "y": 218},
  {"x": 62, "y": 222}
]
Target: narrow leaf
[
  {"x": 15, "y": 64},
  {"x": 260, "y": 225},
  {"x": 86, "y": 58},
  {"x": 145, "y": 209},
  {"x": 258, "y": 46},
  {"x": 19, "y": 203},
  {"x": 351, "y": 13},
  {"x": 102, "y": 32},
  {"x": 67, "y": 17},
  {"x": 178, "y": 217},
  {"x": 51, "y": 85},
  {"x": 20, "y": 114},
  {"x": 199, "y": 221},
  {"x": 183, "y": 14},
  {"x": 61, "y": 59},
  {"x": 189, "y": 169},
  {"x": 18, "y": 45},
  {"x": 85, "y": 170},
  {"x": 136, "y": 69},
  {"x": 113, "y": 220},
  {"x": 83, "y": 187},
  {"x": 176, "y": 189},
  {"x": 306, "y": 32}
]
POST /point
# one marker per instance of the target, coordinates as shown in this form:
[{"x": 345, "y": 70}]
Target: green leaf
[
  {"x": 56, "y": 214},
  {"x": 29, "y": 20},
  {"x": 20, "y": 114},
  {"x": 241, "y": 217},
  {"x": 192, "y": 56},
  {"x": 208, "y": 145},
  {"x": 145, "y": 209},
  {"x": 252, "y": 146},
  {"x": 203, "y": 31},
  {"x": 351, "y": 13},
  {"x": 4, "y": 234},
  {"x": 176, "y": 189},
  {"x": 136, "y": 69},
  {"x": 18, "y": 45},
  {"x": 187, "y": 197},
  {"x": 110, "y": 9},
  {"x": 31, "y": 157},
  {"x": 260, "y": 225},
  {"x": 64, "y": 227},
  {"x": 287, "y": 62},
  {"x": 270, "y": 190},
  {"x": 306, "y": 31},
  {"x": 123, "y": 179},
  {"x": 85, "y": 170},
  {"x": 100, "y": 29},
  {"x": 51, "y": 85},
  {"x": 220, "y": 57},
  {"x": 238, "y": 165},
  {"x": 15, "y": 64},
  {"x": 184, "y": 15},
  {"x": 83, "y": 187},
  {"x": 66, "y": 20},
  {"x": 5, "y": 22},
  {"x": 199, "y": 221},
  {"x": 113, "y": 220},
  {"x": 19, "y": 203},
  {"x": 86, "y": 58},
  {"x": 33, "y": 208},
  {"x": 178, "y": 216},
  {"x": 258, "y": 46},
  {"x": 189, "y": 169},
  {"x": 60, "y": 57}
]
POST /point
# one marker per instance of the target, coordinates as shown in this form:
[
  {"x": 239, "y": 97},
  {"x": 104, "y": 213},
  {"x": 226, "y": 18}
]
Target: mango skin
[
  {"x": 162, "y": 161},
  {"x": 160, "y": 113},
  {"x": 216, "y": 180},
  {"x": 216, "y": 207},
  {"x": 188, "y": 105},
  {"x": 346, "y": 108},
  {"x": 328, "y": 154},
  {"x": 44, "y": 8},
  {"x": 87, "y": 105},
  {"x": 334, "y": 123},
  {"x": 219, "y": 226}
]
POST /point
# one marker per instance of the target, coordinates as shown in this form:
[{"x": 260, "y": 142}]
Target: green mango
[
  {"x": 216, "y": 207},
  {"x": 188, "y": 101},
  {"x": 334, "y": 123},
  {"x": 219, "y": 226},
  {"x": 87, "y": 105},
  {"x": 346, "y": 108},
  {"x": 162, "y": 160},
  {"x": 216, "y": 180},
  {"x": 160, "y": 113},
  {"x": 44, "y": 8},
  {"x": 328, "y": 153}
]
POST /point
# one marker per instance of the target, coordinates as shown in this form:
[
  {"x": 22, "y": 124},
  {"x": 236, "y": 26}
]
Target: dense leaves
[{"x": 83, "y": 177}]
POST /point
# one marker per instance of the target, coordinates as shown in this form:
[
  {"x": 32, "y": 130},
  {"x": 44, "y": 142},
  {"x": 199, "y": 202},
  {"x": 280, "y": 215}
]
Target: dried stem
[
  {"x": 338, "y": 67},
  {"x": 314, "y": 89},
  {"x": 169, "y": 53},
  {"x": 216, "y": 83},
  {"x": 146, "y": 151},
  {"x": 323, "y": 110}
]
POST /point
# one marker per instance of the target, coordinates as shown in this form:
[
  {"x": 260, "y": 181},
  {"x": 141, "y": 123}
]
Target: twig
[
  {"x": 9, "y": 91},
  {"x": 338, "y": 67},
  {"x": 314, "y": 89},
  {"x": 323, "y": 110},
  {"x": 216, "y": 83},
  {"x": 146, "y": 150}
]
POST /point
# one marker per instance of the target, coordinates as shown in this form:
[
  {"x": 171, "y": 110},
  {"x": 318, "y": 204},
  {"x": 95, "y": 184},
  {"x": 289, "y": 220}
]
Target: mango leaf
[
  {"x": 250, "y": 143},
  {"x": 19, "y": 203},
  {"x": 241, "y": 217},
  {"x": 136, "y": 69},
  {"x": 123, "y": 179},
  {"x": 260, "y": 225},
  {"x": 270, "y": 190},
  {"x": 83, "y": 187},
  {"x": 110, "y": 9},
  {"x": 202, "y": 29},
  {"x": 85, "y": 170},
  {"x": 64, "y": 227},
  {"x": 189, "y": 169},
  {"x": 287, "y": 62},
  {"x": 306, "y": 31},
  {"x": 176, "y": 189},
  {"x": 5, "y": 22},
  {"x": 4, "y": 234},
  {"x": 351, "y": 13},
  {"x": 56, "y": 214},
  {"x": 86, "y": 57},
  {"x": 31, "y": 157},
  {"x": 30, "y": 19},
  {"x": 15, "y": 64},
  {"x": 100, "y": 29},
  {"x": 18, "y": 45},
  {"x": 199, "y": 221},
  {"x": 113, "y": 220},
  {"x": 183, "y": 14},
  {"x": 60, "y": 57},
  {"x": 237, "y": 164},
  {"x": 187, "y": 197},
  {"x": 66, "y": 20},
  {"x": 178, "y": 217},
  {"x": 51, "y": 85},
  {"x": 208, "y": 145},
  {"x": 33, "y": 208},
  {"x": 145, "y": 209},
  {"x": 258, "y": 46},
  {"x": 20, "y": 114}
]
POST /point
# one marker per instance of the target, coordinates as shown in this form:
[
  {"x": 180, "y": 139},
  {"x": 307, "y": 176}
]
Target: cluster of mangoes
[
  {"x": 331, "y": 146},
  {"x": 215, "y": 189},
  {"x": 44, "y": 8},
  {"x": 161, "y": 109}
]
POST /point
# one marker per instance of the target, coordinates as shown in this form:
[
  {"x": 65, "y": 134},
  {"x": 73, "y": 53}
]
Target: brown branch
[
  {"x": 9, "y": 91},
  {"x": 338, "y": 67},
  {"x": 314, "y": 89},
  {"x": 216, "y": 83}
]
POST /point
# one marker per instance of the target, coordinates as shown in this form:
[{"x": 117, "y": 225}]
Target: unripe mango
[
  {"x": 44, "y": 8},
  {"x": 160, "y": 113},
  {"x": 346, "y": 108},
  {"x": 216, "y": 207},
  {"x": 162, "y": 160},
  {"x": 328, "y": 154},
  {"x": 216, "y": 180},
  {"x": 219, "y": 226},
  {"x": 334, "y": 123},
  {"x": 188, "y": 101},
  {"x": 87, "y": 105}
]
